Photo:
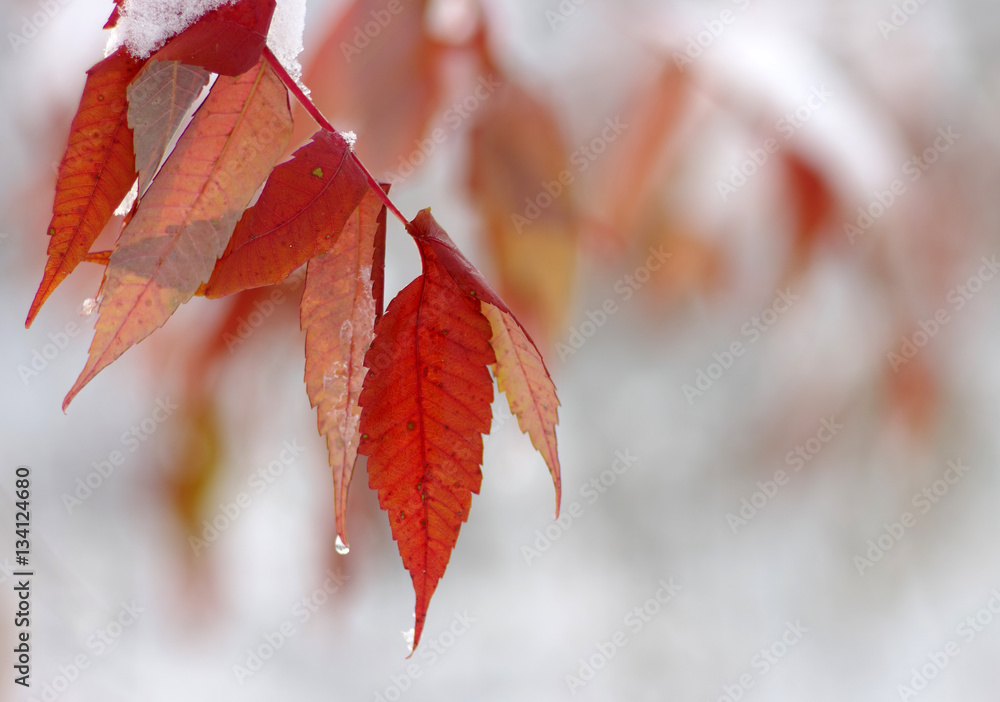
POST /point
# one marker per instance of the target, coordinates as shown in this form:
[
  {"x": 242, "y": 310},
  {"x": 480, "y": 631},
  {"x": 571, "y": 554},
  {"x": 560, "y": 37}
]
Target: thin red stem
[{"x": 325, "y": 124}]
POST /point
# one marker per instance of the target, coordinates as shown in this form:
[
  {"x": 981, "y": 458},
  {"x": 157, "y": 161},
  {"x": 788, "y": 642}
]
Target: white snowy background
[{"x": 663, "y": 518}]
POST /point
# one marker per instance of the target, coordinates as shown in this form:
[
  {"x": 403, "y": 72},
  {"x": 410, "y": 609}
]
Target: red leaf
[
  {"x": 96, "y": 172},
  {"x": 378, "y": 269},
  {"x": 116, "y": 14},
  {"x": 338, "y": 315},
  {"x": 425, "y": 406},
  {"x": 302, "y": 209},
  {"x": 520, "y": 369},
  {"x": 812, "y": 200},
  {"x": 187, "y": 215},
  {"x": 428, "y": 233},
  {"x": 158, "y": 99},
  {"x": 228, "y": 40}
]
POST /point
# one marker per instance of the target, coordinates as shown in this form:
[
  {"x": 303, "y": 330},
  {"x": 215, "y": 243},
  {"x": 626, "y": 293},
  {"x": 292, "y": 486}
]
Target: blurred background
[{"x": 758, "y": 240}]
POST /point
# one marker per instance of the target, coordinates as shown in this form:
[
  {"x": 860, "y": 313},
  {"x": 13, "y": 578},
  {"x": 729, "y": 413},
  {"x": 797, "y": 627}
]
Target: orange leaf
[
  {"x": 680, "y": 260},
  {"x": 96, "y": 172},
  {"x": 158, "y": 99},
  {"x": 100, "y": 257},
  {"x": 338, "y": 316},
  {"x": 383, "y": 84},
  {"x": 641, "y": 157},
  {"x": 299, "y": 215},
  {"x": 522, "y": 377},
  {"x": 425, "y": 406},
  {"x": 188, "y": 214},
  {"x": 522, "y": 179}
]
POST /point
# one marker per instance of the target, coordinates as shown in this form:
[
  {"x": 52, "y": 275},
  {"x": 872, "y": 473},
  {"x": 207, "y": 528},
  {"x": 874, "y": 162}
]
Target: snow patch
[
  {"x": 146, "y": 25},
  {"x": 351, "y": 138},
  {"x": 285, "y": 38}
]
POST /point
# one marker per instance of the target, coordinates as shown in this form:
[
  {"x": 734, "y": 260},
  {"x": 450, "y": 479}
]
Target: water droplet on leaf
[
  {"x": 342, "y": 548},
  {"x": 89, "y": 306}
]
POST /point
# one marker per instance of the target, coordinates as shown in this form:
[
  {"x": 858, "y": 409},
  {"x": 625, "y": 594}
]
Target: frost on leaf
[
  {"x": 338, "y": 315},
  {"x": 143, "y": 26}
]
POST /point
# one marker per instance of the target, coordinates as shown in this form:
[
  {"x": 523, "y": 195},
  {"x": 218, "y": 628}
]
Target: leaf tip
[
  {"x": 36, "y": 304},
  {"x": 414, "y": 634},
  {"x": 86, "y": 375},
  {"x": 419, "y": 226}
]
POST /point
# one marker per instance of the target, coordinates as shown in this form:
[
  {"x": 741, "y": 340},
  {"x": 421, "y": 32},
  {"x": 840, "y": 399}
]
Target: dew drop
[
  {"x": 89, "y": 306},
  {"x": 342, "y": 548}
]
